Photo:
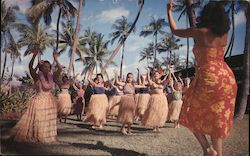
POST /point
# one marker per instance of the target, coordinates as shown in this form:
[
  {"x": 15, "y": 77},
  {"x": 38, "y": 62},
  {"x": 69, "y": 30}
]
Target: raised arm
[
  {"x": 148, "y": 77},
  {"x": 179, "y": 77},
  {"x": 190, "y": 32},
  {"x": 31, "y": 69},
  {"x": 117, "y": 80}
]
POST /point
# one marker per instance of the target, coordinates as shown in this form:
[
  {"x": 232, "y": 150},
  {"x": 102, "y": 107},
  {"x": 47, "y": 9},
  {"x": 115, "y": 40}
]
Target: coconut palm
[
  {"x": 147, "y": 53},
  {"x": 168, "y": 44},
  {"x": 155, "y": 27},
  {"x": 186, "y": 7},
  {"x": 76, "y": 36},
  {"x": 96, "y": 55},
  {"x": 121, "y": 28},
  {"x": 35, "y": 37},
  {"x": 7, "y": 18},
  {"x": 67, "y": 39},
  {"x": 44, "y": 8},
  {"x": 141, "y": 3},
  {"x": 13, "y": 49}
]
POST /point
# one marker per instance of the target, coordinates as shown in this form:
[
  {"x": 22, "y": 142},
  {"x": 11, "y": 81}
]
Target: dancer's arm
[
  {"x": 148, "y": 77},
  {"x": 190, "y": 32},
  {"x": 117, "y": 81}
]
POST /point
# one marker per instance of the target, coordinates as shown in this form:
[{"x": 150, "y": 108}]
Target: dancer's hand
[
  {"x": 170, "y": 5},
  {"x": 55, "y": 54}
]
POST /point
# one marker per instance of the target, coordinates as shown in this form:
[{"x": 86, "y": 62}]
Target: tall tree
[
  {"x": 7, "y": 18},
  {"x": 121, "y": 28},
  {"x": 168, "y": 44},
  {"x": 97, "y": 54},
  {"x": 186, "y": 7},
  {"x": 76, "y": 36},
  {"x": 116, "y": 50},
  {"x": 13, "y": 49},
  {"x": 147, "y": 53},
  {"x": 35, "y": 37},
  {"x": 44, "y": 8},
  {"x": 155, "y": 27},
  {"x": 67, "y": 39}
]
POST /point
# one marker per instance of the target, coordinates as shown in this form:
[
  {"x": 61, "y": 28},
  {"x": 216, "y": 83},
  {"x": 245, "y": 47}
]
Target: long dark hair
[{"x": 214, "y": 17}]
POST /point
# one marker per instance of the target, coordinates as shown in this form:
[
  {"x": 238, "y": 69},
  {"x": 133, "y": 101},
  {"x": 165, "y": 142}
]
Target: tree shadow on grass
[{"x": 113, "y": 151}]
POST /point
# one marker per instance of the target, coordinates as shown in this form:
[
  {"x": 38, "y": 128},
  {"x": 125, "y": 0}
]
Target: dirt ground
[{"x": 78, "y": 138}]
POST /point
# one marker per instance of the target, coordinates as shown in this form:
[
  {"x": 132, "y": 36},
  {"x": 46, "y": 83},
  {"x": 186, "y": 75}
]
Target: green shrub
[{"x": 15, "y": 102}]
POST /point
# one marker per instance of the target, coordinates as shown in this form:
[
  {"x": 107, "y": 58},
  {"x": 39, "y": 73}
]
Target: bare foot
[
  {"x": 93, "y": 127},
  {"x": 101, "y": 127},
  {"x": 124, "y": 131},
  {"x": 211, "y": 151}
]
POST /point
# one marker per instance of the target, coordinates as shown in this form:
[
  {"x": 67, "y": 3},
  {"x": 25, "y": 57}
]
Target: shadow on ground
[{"x": 113, "y": 151}]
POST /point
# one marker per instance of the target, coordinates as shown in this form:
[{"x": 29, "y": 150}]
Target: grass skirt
[
  {"x": 174, "y": 110},
  {"x": 157, "y": 111},
  {"x": 112, "y": 101},
  {"x": 126, "y": 109},
  {"x": 142, "y": 104},
  {"x": 98, "y": 107},
  {"x": 38, "y": 123},
  {"x": 64, "y": 103}
]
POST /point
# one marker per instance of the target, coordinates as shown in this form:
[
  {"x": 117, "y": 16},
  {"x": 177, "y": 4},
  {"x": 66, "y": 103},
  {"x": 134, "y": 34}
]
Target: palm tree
[
  {"x": 187, "y": 7},
  {"x": 97, "y": 54},
  {"x": 76, "y": 36},
  {"x": 116, "y": 50},
  {"x": 154, "y": 28},
  {"x": 121, "y": 27},
  {"x": 67, "y": 39},
  {"x": 44, "y": 8},
  {"x": 147, "y": 53},
  {"x": 35, "y": 37},
  {"x": 168, "y": 44},
  {"x": 7, "y": 18},
  {"x": 13, "y": 50}
]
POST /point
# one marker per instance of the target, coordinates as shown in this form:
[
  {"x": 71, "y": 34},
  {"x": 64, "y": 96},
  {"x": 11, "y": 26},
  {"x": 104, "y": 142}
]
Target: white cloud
[
  {"x": 109, "y": 16},
  {"x": 240, "y": 18}
]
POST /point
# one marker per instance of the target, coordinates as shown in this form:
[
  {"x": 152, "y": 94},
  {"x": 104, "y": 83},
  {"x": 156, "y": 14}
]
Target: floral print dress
[{"x": 208, "y": 105}]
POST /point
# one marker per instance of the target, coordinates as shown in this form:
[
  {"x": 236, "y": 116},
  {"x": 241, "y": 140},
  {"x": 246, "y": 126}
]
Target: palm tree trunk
[
  {"x": 231, "y": 43},
  {"x": 147, "y": 63},
  {"x": 1, "y": 64},
  {"x": 123, "y": 47},
  {"x": 187, "y": 57},
  {"x": 11, "y": 75},
  {"x": 244, "y": 96},
  {"x": 5, "y": 56},
  {"x": 77, "y": 31},
  {"x": 191, "y": 13},
  {"x": 57, "y": 28},
  {"x": 155, "y": 50}
]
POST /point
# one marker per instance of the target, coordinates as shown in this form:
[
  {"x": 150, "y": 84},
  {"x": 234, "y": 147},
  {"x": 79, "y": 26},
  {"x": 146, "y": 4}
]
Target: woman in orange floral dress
[{"x": 208, "y": 105}]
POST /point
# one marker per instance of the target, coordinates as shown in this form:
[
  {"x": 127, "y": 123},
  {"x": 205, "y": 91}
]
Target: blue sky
[{"x": 99, "y": 15}]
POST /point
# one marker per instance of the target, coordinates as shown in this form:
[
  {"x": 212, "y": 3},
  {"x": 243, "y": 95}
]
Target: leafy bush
[{"x": 15, "y": 102}]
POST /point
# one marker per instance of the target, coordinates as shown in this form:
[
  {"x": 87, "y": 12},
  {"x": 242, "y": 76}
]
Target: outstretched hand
[
  {"x": 170, "y": 5},
  {"x": 55, "y": 54}
]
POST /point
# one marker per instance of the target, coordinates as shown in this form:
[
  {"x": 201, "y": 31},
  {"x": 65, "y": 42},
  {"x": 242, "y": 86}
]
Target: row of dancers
[
  {"x": 150, "y": 106},
  {"x": 119, "y": 100}
]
